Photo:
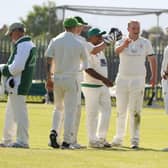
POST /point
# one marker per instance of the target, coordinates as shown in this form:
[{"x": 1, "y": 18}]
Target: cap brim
[
  {"x": 102, "y": 33},
  {"x": 79, "y": 24},
  {"x": 85, "y": 23}
]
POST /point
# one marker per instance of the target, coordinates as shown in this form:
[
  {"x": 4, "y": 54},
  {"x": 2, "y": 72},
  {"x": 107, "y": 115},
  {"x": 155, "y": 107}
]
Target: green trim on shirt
[{"x": 90, "y": 85}]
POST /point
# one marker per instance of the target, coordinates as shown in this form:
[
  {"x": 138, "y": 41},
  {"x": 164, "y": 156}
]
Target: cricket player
[
  {"x": 88, "y": 49},
  {"x": 164, "y": 82},
  {"x": 96, "y": 92},
  {"x": 91, "y": 49},
  {"x": 67, "y": 53},
  {"x": 164, "y": 75},
  {"x": 19, "y": 72},
  {"x": 130, "y": 81}
]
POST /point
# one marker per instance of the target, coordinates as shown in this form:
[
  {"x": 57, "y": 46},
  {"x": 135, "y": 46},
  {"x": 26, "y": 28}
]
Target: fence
[{"x": 112, "y": 60}]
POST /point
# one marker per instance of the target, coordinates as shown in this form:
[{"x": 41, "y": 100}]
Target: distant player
[{"x": 164, "y": 75}]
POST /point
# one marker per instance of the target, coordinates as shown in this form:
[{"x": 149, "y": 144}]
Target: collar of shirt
[
  {"x": 20, "y": 39},
  {"x": 70, "y": 33}
]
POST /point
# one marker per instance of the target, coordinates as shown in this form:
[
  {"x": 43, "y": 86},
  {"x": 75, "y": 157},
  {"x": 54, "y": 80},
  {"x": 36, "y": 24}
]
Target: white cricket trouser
[
  {"x": 77, "y": 115},
  {"x": 165, "y": 93},
  {"x": 16, "y": 120},
  {"x": 98, "y": 111},
  {"x": 65, "y": 98},
  {"x": 129, "y": 97}
]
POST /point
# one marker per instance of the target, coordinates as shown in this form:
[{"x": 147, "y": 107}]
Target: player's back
[{"x": 68, "y": 51}]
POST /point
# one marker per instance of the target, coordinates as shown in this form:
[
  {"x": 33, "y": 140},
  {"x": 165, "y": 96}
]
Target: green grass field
[{"x": 154, "y": 137}]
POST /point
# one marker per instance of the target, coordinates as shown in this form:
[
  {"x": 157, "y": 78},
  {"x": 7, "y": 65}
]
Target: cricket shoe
[
  {"x": 134, "y": 145},
  {"x": 165, "y": 149},
  {"x": 78, "y": 146},
  {"x": 96, "y": 144},
  {"x": 116, "y": 143},
  {"x": 105, "y": 143},
  {"x": 4, "y": 144},
  {"x": 66, "y": 145},
  {"x": 18, "y": 145},
  {"x": 53, "y": 139}
]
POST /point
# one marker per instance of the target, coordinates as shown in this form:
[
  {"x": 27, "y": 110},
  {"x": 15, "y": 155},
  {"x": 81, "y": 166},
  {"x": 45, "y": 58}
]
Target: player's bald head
[
  {"x": 131, "y": 22},
  {"x": 133, "y": 29}
]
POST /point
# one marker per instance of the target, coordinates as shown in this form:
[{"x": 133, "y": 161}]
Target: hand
[
  {"x": 153, "y": 81},
  {"x": 49, "y": 85},
  {"x": 127, "y": 42},
  {"x": 165, "y": 75}
]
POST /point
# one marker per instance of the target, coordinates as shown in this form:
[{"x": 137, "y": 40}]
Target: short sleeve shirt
[
  {"x": 67, "y": 53},
  {"x": 165, "y": 61},
  {"x": 97, "y": 62},
  {"x": 132, "y": 58}
]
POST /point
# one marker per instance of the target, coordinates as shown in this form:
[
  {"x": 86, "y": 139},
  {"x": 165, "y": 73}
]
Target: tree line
[{"x": 42, "y": 22}]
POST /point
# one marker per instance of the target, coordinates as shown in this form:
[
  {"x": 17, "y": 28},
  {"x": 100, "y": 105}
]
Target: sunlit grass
[{"x": 154, "y": 137}]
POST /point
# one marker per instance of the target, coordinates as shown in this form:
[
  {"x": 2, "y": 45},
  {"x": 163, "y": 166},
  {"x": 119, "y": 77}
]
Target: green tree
[
  {"x": 43, "y": 21},
  {"x": 3, "y": 30},
  {"x": 158, "y": 37},
  {"x": 156, "y": 30}
]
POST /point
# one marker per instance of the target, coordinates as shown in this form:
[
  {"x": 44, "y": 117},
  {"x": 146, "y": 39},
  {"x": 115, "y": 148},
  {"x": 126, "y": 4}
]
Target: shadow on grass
[
  {"x": 115, "y": 149},
  {"x": 128, "y": 149}
]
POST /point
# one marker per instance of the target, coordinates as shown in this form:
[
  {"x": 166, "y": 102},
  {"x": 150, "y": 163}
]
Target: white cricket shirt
[
  {"x": 89, "y": 46},
  {"x": 165, "y": 61},
  {"x": 67, "y": 53},
  {"x": 99, "y": 64},
  {"x": 132, "y": 58}
]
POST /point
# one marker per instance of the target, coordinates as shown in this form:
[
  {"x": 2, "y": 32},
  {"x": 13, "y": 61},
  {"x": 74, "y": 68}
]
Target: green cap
[
  {"x": 80, "y": 20},
  {"x": 71, "y": 22},
  {"x": 95, "y": 32},
  {"x": 14, "y": 26}
]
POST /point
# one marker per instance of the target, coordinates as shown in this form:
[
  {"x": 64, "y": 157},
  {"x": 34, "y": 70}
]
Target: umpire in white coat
[{"x": 19, "y": 73}]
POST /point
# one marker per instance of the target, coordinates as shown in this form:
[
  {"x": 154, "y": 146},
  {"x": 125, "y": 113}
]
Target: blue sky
[{"x": 11, "y": 11}]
